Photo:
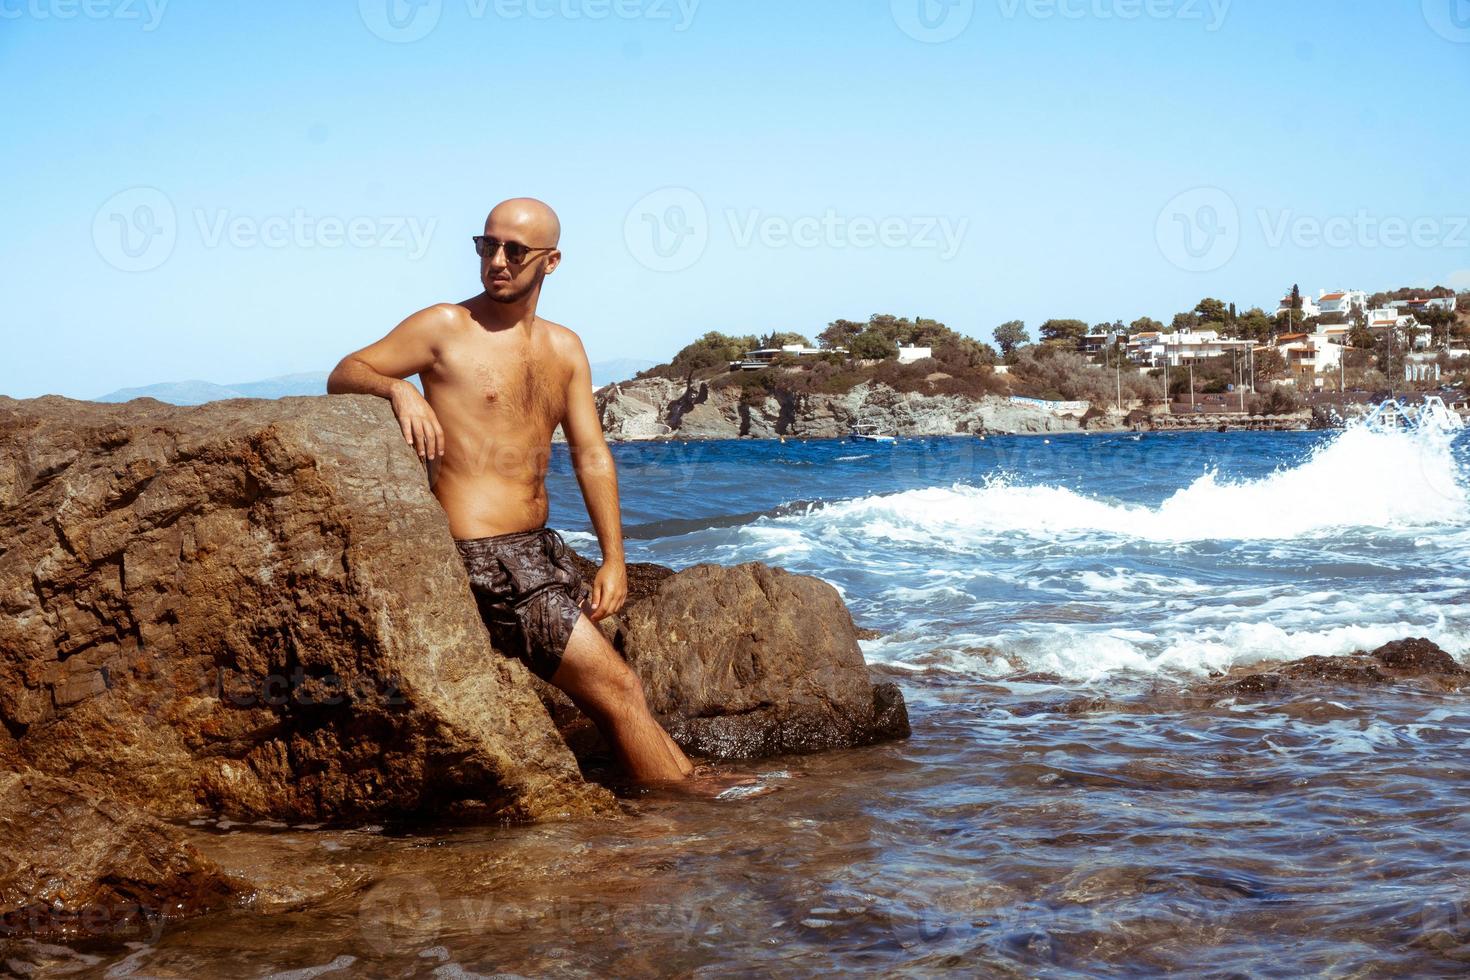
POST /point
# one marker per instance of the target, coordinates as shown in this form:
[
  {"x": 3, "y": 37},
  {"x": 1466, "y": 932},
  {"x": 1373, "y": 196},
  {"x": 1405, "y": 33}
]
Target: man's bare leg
[{"x": 607, "y": 690}]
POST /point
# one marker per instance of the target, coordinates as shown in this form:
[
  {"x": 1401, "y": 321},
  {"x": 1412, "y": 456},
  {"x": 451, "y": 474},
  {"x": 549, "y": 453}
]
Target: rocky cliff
[
  {"x": 655, "y": 407},
  {"x": 256, "y": 609}
]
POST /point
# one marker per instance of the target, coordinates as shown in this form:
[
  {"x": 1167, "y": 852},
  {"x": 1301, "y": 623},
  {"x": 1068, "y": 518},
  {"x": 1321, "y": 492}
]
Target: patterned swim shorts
[{"x": 529, "y": 593}]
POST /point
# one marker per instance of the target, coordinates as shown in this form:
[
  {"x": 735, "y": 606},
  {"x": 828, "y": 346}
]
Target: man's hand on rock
[
  {"x": 609, "y": 590},
  {"x": 417, "y": 419}
]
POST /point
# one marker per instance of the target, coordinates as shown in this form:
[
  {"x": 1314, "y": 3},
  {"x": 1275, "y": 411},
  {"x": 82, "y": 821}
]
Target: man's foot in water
[{"x": 710, "y": 783}]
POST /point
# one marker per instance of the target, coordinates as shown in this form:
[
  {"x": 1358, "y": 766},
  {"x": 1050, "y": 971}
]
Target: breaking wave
[{"x": 1363, "y": 479}]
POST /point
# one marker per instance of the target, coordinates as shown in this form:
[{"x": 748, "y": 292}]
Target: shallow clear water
[{"x": 1069, "y": 803}]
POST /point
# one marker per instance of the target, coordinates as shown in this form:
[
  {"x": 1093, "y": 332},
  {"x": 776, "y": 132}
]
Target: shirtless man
[{"x": 498, "y": 380}]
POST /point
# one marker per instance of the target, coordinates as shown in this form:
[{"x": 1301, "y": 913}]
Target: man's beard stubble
[{"x": 519, "y": 294}]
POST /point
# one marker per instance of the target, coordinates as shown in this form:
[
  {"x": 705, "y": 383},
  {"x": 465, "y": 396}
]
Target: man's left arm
[{"x": 598, "y": 477}]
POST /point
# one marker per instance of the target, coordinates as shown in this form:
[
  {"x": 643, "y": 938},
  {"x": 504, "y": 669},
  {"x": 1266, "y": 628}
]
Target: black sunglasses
[{"x": 515, "y": 252}]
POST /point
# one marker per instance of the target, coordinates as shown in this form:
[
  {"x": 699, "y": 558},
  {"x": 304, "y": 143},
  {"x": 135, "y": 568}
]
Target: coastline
[{"x": 1293, "y": 424}]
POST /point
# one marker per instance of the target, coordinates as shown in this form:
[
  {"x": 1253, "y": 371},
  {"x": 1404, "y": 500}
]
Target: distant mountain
[
  {"x": 310, "y": 383},
  {"x": 199, "y": 392}
]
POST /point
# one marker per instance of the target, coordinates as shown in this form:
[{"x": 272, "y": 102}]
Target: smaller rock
[
  {"x": 643, "y": 578},
  {"x": 1419, "y": 656},
  {"x": 743, "y": 663},
  {"x": 1414, "y": 661}
]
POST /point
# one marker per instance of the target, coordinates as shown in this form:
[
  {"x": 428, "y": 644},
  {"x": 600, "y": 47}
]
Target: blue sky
[{"x": 231, "y": 190}]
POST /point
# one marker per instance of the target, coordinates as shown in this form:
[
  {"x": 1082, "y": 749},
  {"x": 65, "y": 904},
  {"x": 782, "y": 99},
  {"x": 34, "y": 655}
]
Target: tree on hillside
[
  {"x": 1145, "y": 324},
  {"x": 1212, "y": 311},
  {"x": 1253, "y": 324},
  {"x": 961, "y": 353},
  {"x": 1379, "y": 300},
  {"x": 1064, "y": 333},
  {"x": 1360, "y": 337},
  {"x": 1389, "y": 348},
  {"x": 1270, "y": 365},
  {"x": 1184, "y": 321},
  {"x": 919, "y": 332},
  {"x": 1411, "y": 331},
  {"x": 713, "y": 350},
  {"x": 781, "y": 339},
  {"x": 839, "y": 333},
  {"x": 922, "y": 332},
  {"x": 1439, "y": 324},
  {"x": 1010, "y": 335},
  {"x": 873, "y": 344}
]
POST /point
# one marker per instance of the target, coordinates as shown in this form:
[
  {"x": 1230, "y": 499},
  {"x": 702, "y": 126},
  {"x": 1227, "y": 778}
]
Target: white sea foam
[
  {"x": 1093, "y": 655},
  {"x": 1360, "y": 506},
  {"x": 1361, "y": 479}
]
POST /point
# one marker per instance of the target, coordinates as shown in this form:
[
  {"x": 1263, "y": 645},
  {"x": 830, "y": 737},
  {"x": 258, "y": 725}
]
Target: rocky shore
[
  {"x": 657, "y": 408},
  {"x": 255, "y": 610}
]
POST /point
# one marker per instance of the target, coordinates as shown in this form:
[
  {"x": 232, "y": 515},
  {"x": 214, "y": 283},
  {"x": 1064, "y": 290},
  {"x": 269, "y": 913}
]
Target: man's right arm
[{"x": 380, "y": 369}]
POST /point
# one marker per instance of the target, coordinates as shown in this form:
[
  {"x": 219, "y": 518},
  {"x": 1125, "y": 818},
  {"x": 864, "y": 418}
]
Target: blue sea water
[{"x": 1082, "y": 556}]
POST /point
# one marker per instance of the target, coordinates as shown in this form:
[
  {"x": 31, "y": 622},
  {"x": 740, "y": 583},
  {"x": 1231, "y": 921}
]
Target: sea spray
[
  {"x": 1362, "y": 479},
  {"x": 999, "y": 577}
]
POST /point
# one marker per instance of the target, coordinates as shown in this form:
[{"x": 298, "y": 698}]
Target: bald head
[{"x": 525, "y": 220}]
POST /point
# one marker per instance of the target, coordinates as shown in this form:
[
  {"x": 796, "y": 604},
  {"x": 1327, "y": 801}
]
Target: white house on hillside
[
  {"x": 1342, "y": 301},
  {"x": 1309, "y": 307},
  {"x": 1309, "y": 356},
  {"x": 1380, "y": 321},
  {"x": 1446, "y": 303},
  {"x": 1155, "y": 349},
  {"x": 756, "y": 359}
]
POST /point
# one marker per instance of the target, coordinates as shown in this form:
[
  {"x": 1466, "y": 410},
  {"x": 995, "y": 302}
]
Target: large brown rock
[
  {"x": 255, "y": 608},
  {"x": 72, "y": 865},
  {"x": 745, "y": 663}
]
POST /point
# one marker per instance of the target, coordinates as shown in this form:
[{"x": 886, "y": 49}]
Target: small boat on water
[{"x": 869, "y": 432}]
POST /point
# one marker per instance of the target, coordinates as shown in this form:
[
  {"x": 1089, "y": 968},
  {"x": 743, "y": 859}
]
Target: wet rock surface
[
  {"x": 75, "y": 865},
  {"x": 1415, "y": 662},
  {"x": 745, "y": 663}
]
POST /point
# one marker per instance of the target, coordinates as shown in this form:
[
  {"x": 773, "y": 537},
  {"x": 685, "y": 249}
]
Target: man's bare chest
[{"x": 524, "y": 386}]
